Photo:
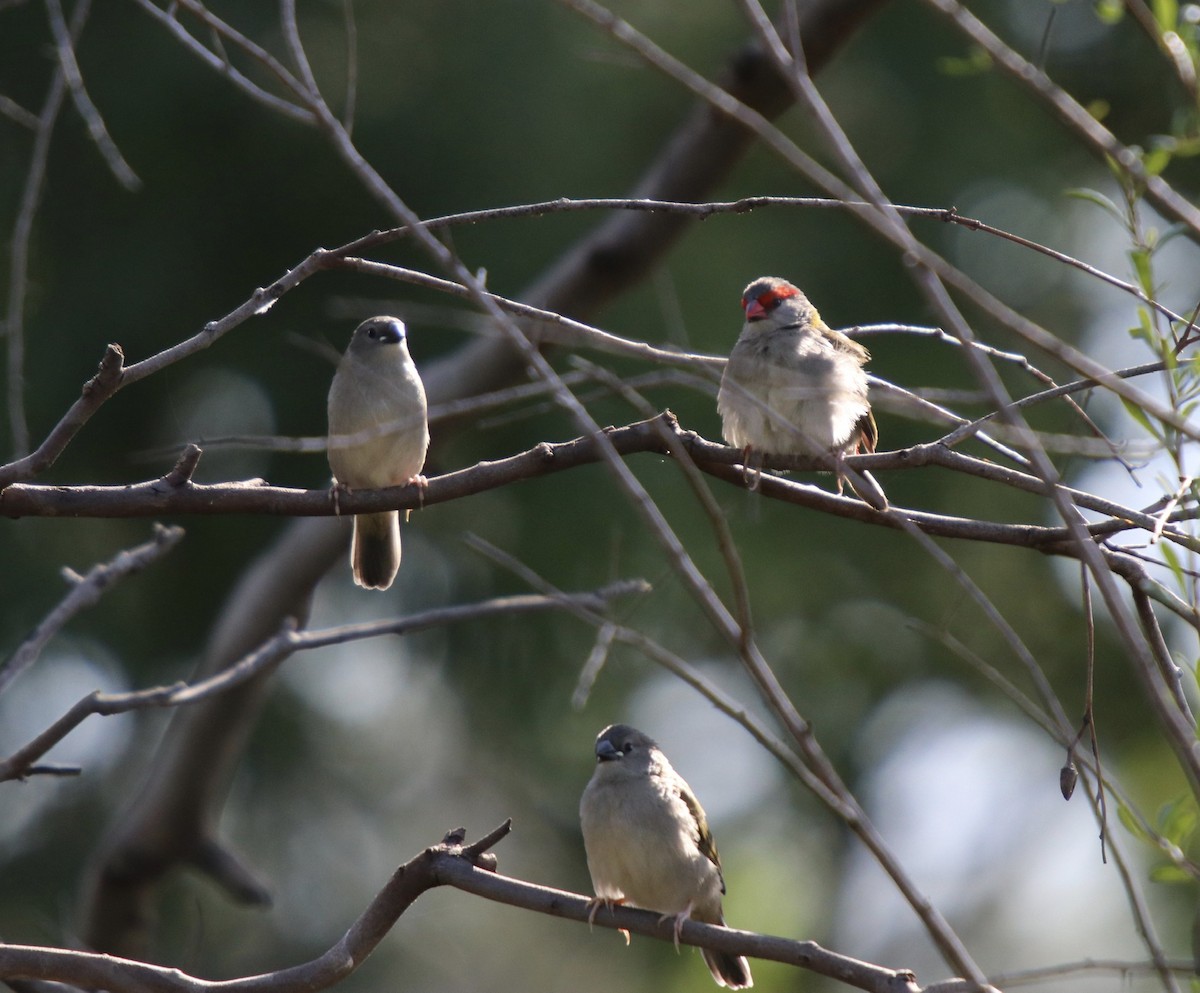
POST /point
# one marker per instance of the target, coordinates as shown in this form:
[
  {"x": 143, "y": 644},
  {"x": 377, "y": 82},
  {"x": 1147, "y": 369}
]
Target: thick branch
[
  {"x": 465, "y": 867},
  {"x": 176, "y": 495}
]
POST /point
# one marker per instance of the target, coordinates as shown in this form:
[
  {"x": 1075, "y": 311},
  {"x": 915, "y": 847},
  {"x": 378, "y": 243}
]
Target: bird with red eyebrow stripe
[{"x": 793, "y": 385}]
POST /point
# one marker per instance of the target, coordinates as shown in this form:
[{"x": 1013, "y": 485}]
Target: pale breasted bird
[
  {"x": 793, "y": 385},
  {"x": 378, "y": 436},
  {"x": 648, "y": 843}
]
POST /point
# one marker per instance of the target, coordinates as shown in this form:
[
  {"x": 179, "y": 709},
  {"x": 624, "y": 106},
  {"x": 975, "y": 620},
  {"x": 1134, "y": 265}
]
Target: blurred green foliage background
[{"x": 368, "y": 753}]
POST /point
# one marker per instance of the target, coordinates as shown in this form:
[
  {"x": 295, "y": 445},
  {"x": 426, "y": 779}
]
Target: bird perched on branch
[
  {"x": 378, "y": 436},
  {"x": 793, "y": 385},
  {"x": 648, "y": 843}
]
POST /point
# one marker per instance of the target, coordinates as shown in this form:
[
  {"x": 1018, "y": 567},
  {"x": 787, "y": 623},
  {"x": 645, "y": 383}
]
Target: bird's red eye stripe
[{"x": 772, "y": 298}]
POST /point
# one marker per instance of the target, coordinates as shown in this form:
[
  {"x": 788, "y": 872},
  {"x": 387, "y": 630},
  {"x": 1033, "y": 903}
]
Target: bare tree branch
[
  {"x": 173, "y": 817},
  {"x": 18, "y": 272},
  {"x": 493, "y": 362},
  {"x": 203, "y": 742},
  {"x": 881, "y": 217},
  {"x": 268, "y": 656},
  {"x": 86, "y": 592},
  {"x": 96, "y": 391},
  {"x": 1075, "y": 116},
  {"x": 177, "y": 494},
  {"x": 548, "y": 326},
  {"x": 83, "y": 103},
  {"x": 469, "y": 868}
]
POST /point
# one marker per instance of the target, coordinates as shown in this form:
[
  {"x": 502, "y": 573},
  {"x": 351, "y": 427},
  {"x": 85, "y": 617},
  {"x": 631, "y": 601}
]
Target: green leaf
[
  {"x": 1100, "y": 200},
  {"x": 1157, "y": 159},
  {"x": 974, "y": 63},
  {"x": 1140, "y": 257},
  {"x": 1186, "y": 146},
  {"x": 1131, "y": 823},
  {"x": 1177, "y": 820},
  {"x": 1171, "y": 557},
  {"x": 1139, "y": 415},
  {"x": 1170, "y": 359},
  {"x": 1166, "y": 13},
  {"x": 1109, "y": 11},
  {"x": 1144, "y": 329},
  {"x": 1170, "y": 874}
]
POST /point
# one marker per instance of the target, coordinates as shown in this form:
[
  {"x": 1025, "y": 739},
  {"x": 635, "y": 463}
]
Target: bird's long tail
[
  {"x": 375, "y": 552},
  {"x": 728, "y": 970}
]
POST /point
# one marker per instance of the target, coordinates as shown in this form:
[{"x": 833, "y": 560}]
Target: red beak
[{"x": 755, "y": 311}]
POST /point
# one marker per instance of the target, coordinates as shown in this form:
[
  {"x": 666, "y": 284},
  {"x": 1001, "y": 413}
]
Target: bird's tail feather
[
  {"x": 728, "y": 970},
  {"x": 375, "y": 552}
]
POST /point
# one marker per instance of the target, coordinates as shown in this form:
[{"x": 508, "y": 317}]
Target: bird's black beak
[
  {"x": 606, "y": 751},
  {"x": 392, "y": 332}
]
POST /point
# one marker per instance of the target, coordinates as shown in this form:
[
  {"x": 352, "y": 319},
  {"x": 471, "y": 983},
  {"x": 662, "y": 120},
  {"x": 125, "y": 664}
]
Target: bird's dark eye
[
  {"x": 773, "y": 298},
  {"x": 627, "y": 747},
  {"x": 372, "y": 333}
]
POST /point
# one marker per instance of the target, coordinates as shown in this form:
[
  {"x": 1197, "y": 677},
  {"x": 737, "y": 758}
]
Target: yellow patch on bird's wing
[{"x": 704, "y": 841}]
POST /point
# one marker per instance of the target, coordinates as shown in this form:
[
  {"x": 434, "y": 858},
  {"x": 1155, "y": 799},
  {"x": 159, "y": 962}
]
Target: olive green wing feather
[{"x": 704, "y": 840}]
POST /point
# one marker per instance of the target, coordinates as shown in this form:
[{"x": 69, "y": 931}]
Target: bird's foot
[
  {"x": 335, "y": 494},
  {"x": 751, "y": 475},
  {"x": 679, "y": 918},
  {"x": 422, "y": 484},
  {"x": 607, "y": 903},
  {"x": 839, "y": 471}
]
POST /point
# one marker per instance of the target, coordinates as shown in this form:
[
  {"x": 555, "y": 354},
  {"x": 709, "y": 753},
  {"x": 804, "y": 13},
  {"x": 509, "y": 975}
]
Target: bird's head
[
  {"x": 776, "y": 301},
  {"x": 378, "y": 332},
  {"x": 623, "y": 750}
]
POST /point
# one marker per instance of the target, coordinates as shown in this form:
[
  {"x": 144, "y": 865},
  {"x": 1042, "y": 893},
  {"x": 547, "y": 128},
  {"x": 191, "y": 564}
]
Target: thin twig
[
  {"x": 1061, "y": 737},
  {"x": 18, "y": 272},
  {"x": 17, "y": 114},
  {"x": 882, "y": 221},
  {"x": 282, "y": 646},
  {"x": 86, "y": 592},
  {"x": 350, "y": 101},
  {"x": 712, "y": 510},
  {"x": 1077, "y": 117},
  {"x": 222, "y": 66},
  {"x": 95, "y": 392},
  {"x": 928, "y": 279},
  {"x": 83, "y": 103},
  {"x": 811, "y": 767},
  {"x": 1123, "y": 969}
]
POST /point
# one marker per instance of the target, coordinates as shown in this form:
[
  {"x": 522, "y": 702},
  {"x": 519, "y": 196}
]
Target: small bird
[
  {"x": 793, "y": 385},
  {"x": 648, "y": 843},
  {"x": 378, "y": 436}
]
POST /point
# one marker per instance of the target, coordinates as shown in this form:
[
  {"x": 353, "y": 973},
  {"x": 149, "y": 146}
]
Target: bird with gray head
[
  {"x": 793, "y": 385},
  {"x": 648, "y": 843},
  {"x": 378, "y": 436}
]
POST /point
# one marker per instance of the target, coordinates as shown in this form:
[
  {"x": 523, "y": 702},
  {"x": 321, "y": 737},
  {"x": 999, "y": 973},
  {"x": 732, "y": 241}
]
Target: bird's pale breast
[
  {"x": 377, "y": 423},
  {"x": 637, "y": 850}
]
